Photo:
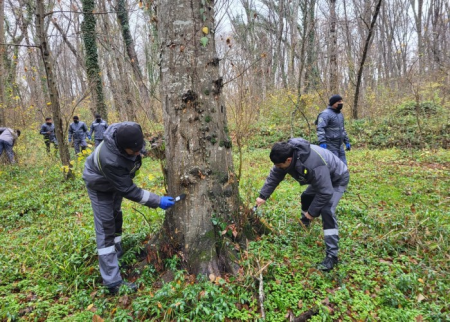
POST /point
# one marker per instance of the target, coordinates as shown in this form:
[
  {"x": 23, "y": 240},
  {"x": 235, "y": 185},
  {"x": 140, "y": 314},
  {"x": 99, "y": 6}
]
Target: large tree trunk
[
  {"x": 92, "y": 67},
  {"x": 122, "y": 15},
  {"x": 2, "y": 65},
  {"x": 198, "y": 148},
  {"x": 53, "y": 90}
]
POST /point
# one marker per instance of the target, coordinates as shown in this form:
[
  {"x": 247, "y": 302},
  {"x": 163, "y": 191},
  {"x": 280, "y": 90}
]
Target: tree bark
[
  {"x": 53, "y": 90},
  {"x": 198, "y": 148},
  {"x": 363, "y": 58},
  {"x": 92, "y": 67},
  {"x": 2, "y": 64},
  {"x": 122, "y": 16},
  {"x": 333, "y": 49}
]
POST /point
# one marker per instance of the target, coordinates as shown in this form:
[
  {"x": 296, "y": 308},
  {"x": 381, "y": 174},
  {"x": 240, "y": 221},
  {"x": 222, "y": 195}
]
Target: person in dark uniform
[
  {"x": 108, "y": 174},
  {"x": 48, "y": 131},
  {"x": 327, "y": 178}
]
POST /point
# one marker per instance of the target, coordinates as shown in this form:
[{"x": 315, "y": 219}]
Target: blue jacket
[{"x": 330, "y": 129}]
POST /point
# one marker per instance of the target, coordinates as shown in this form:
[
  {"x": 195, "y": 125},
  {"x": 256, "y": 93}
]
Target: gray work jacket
[
  {"x": 110, "y": 169},
  {"x": 331, "y": 129},
  {"x": 311, "y": 165}
]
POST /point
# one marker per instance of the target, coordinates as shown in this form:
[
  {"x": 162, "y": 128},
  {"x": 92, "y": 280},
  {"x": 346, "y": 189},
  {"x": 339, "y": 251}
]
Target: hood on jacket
[
  {"x": 302, "y": 148},
  {"x": 109, "y": 139}
]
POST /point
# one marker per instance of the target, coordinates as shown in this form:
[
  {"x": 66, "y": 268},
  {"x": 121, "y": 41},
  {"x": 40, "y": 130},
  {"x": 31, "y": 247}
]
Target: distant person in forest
[
  {"x": 108, "y": 174},
  {"x": 77, "y": 132},
  {"x": 327, "y": 177},
  {"x": 331, "y": 132},
  {"x": 8, "y": 138},
  {"x": 98, "y": 127},
  {"x": 48, "y": 131}
]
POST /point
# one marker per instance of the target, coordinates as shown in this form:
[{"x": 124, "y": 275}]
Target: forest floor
[{"x": 394, "y": 240}]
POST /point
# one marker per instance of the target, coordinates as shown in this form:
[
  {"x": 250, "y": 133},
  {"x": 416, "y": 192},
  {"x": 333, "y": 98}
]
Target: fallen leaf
[
  {"x": 420, "y": 298},
  {"x": 97, "y": 318}
]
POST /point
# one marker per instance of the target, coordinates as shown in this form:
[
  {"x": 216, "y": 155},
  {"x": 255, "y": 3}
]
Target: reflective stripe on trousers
[
  {"x": 328, "y": 214},
  {"x": 108, "y": 229}
]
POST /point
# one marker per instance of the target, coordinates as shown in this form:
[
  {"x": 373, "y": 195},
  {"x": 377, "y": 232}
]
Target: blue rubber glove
[
  {"x": 348, "y": 146},
  {"x": 323, "y": 145},
  {"x": 166, "y": 202},
  {"x": 89, "y": 137},
  {"x": 70, "y": 140}
]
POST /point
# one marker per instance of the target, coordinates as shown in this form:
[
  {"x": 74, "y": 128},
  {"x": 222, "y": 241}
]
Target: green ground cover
[{"x": 394, "y": 259}]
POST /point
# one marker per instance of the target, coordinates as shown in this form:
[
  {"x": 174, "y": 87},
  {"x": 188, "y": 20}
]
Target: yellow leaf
[
  {"x": 159, "y": 305},
  {"x": 89, "y": 307},
  {"x": 205, "y": 30},
  {"x": 421, "y": 280},
  {"x": 49, "y": 103},
  {"x": 72, "y": 162}
]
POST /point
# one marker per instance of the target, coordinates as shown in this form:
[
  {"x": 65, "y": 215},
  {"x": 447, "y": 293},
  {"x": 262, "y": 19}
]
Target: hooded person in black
[{"x": 327, "y": 177}]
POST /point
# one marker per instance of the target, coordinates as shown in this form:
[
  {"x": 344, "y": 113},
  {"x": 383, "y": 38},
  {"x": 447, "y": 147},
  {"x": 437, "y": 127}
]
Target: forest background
[{"x": 279, "y": 62}]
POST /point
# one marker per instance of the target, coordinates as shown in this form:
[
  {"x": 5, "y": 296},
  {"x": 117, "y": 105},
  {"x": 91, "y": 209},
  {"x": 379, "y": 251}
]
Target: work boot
[
  {"x": 328, "y": 263},
  {"x": 129, "y": 287}
]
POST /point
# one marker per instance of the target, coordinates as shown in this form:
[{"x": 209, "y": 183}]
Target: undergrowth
[{"x": 394, "y": 240}]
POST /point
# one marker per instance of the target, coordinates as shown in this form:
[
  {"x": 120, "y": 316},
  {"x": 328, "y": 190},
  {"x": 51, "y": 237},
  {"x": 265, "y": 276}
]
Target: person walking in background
[
  {"x": 108, "y": 174},
  {"x": 77, "y": 132},
  {"x": 98, "y": 127},
  {"x": 48, "y": 131},
  {"x": 8, "y": 138},
  {"x": 331, "y": 132},
  {"x": 327, "y": 177}
]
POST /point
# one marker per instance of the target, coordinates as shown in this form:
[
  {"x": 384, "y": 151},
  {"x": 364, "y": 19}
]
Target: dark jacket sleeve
[
  {"x": 92, "y": 129},
  {"x": 324, "y": 190},
  {"x": 70, "y": 132},
  {"x": 276, "y": 175},
  {"x": 43, "y": 131},
  {"x": 322, "y": 123},
  {"x": 85, "y": 129},
  {"x": 121, "y": 181}
]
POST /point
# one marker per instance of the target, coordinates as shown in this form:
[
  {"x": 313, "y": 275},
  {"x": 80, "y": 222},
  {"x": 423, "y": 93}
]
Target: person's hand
[
  {"x": 70, "y": 140},
  {"x": 349, "y": 147},
  {"x": 48, "y": 132},
  {"x": 89, "y": 137},
  {"x": 307, "y": 215},
  {"x": 259, "y": 201},
  {"x": 323, "y": 145},
  {"x": 166, "y": 202}
]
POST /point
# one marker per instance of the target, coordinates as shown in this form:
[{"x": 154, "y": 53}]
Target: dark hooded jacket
[
  {"x": 311, "y": 165},
  {"x": 98, "y": 128},
  {"x": 110, "y": 169},
  {"x": 330, "y": 129},
  {"x": 77, "y": 130},
  {"x": 48, "y": 128}
]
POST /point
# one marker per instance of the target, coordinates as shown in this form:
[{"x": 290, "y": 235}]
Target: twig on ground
[
  {"x": 261, "y": 290},
  {"x": 142, "y": 216}
]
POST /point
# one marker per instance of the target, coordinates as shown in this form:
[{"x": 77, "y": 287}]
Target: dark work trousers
[
  {"x": 8, "y": 148},
  {"x": 47, "y": 144},
  {"x": 340, "y": 153},
  {"x": 79, "y": 142},
  {"x": 329, "y": 220},
  {"x": 108, "y": 230},
  {"x": 97, "y": 142}
]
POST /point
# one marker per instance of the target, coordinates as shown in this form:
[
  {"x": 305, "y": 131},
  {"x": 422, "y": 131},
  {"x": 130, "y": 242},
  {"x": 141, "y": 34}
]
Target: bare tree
[
  {"x": 333, "y": 49},
  {"x": 363, "y": 58},
  {"x": 53, "y": 90}
]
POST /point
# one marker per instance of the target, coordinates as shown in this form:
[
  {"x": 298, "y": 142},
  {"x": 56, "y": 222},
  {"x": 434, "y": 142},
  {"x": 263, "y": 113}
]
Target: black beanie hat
[
  {"x": 129, "y": 136},
  {"x": 334, "y": 99}
]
